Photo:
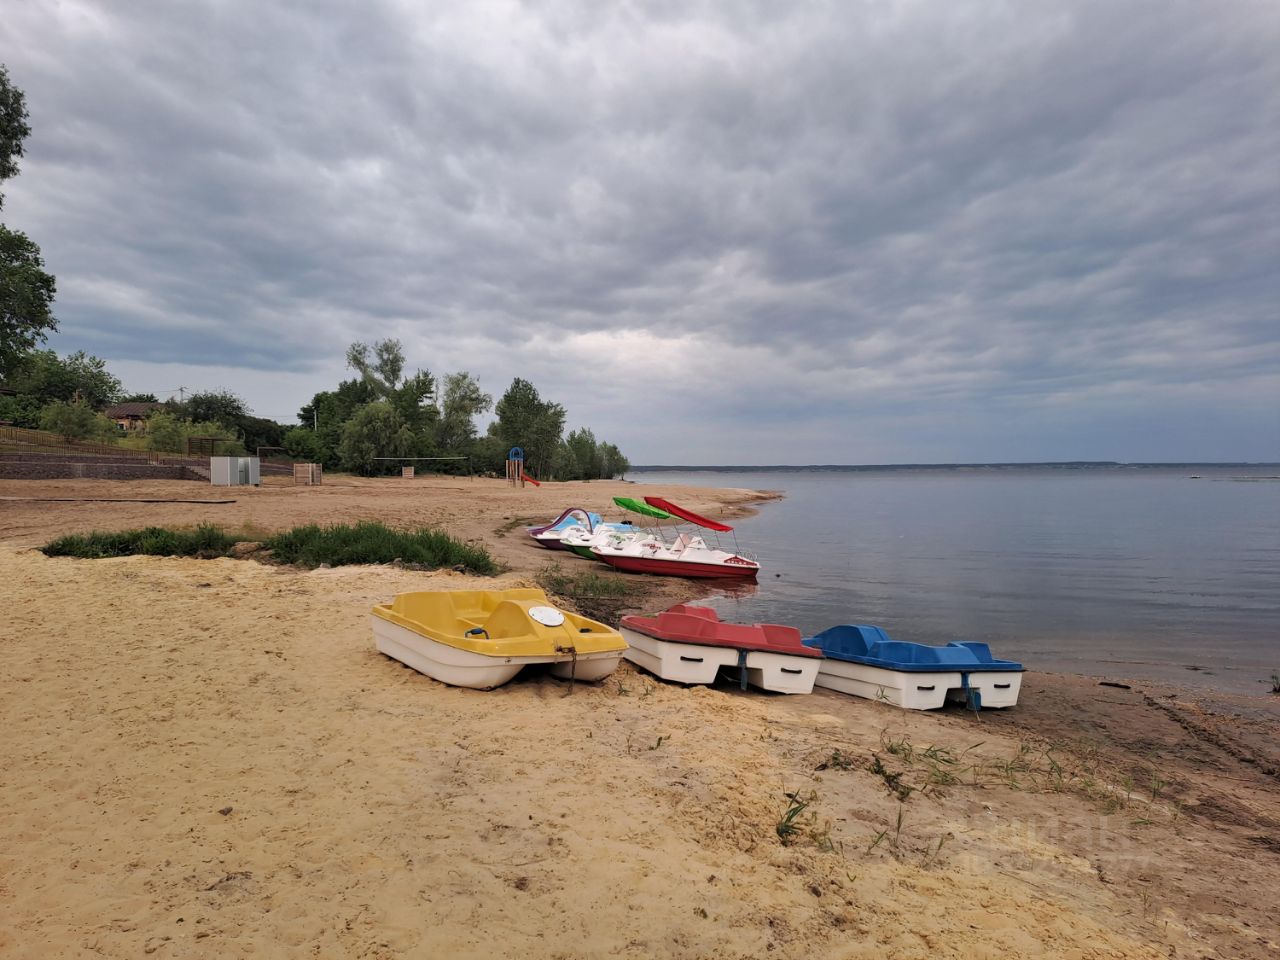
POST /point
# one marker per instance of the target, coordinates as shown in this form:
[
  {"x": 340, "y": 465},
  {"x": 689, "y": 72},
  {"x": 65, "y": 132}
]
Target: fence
[
  {"x": 40, "y": 443},
  {"x": 21, "y": 440}
]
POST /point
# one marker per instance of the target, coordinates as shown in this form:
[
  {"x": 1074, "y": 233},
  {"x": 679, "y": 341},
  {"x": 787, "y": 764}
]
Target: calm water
[{"x": 1144, "y": 574}]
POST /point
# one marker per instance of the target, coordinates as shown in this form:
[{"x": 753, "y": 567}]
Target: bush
[
  {"x": 76, "y": 421},
  {"x": 308, "y": 546},
  {"x": 168, "y": 433},
  {"x": 304, "y": 445},
  {"x": 372, "y": 542},
  {"x": 377, "y": 431},
  {"x": 204, "y": 541}
]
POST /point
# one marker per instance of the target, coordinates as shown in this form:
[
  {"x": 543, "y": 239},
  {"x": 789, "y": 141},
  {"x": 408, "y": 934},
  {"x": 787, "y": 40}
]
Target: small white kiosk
[{"x": 235, "y": 471}]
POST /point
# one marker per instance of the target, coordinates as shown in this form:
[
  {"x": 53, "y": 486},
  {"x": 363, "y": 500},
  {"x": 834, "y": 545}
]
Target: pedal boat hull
[{"x": 467, "y": 656}]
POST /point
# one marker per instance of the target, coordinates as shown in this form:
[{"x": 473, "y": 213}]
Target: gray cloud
[{"x": 1024, "y": 231}]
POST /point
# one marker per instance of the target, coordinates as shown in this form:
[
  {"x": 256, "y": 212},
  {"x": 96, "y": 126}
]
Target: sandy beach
[{"x": 209, "y": 759}]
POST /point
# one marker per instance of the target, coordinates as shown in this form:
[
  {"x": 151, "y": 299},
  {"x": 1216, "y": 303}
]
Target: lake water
[{"x": 1141, "y": 573}]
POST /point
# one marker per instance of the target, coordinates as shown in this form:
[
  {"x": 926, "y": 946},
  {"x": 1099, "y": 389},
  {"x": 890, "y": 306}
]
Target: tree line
[
  {"x": 384, "y": 418},
  {"x": 372, "y": 424}
]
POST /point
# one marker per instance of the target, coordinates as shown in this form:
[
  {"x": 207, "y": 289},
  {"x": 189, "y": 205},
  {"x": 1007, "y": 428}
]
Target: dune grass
[
  {"x": 308, "y": 546},
  {"x": 206, "y": 540},
  {"x": 372, "y": 542}
]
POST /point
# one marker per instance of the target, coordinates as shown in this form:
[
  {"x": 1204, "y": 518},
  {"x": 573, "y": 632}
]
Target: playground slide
[{"x": 524, "y": 476}]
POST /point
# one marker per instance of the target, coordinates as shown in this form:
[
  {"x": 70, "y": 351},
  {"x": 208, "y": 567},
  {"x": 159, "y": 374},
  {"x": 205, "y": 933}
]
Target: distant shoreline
[{"x": 868, "y": 467}]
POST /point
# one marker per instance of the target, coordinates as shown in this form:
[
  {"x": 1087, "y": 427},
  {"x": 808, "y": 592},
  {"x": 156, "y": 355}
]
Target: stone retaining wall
[{"x": 63, "y": 470}]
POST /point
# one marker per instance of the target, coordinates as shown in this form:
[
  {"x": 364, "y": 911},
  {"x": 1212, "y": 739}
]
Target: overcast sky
[{"x": 716, "y": 232}]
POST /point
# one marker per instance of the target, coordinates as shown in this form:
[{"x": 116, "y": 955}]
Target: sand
[{"x": 209, "y": 759}]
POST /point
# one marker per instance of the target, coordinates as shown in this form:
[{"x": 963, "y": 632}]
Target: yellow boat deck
[{"x": 499, "y": 623}]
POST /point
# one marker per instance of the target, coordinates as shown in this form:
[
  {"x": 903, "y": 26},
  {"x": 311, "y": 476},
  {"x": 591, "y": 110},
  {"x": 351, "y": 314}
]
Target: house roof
[{"x": 132, "y": 409}]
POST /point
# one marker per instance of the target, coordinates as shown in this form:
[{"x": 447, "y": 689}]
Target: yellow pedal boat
[{"x": 482, "y": 638}]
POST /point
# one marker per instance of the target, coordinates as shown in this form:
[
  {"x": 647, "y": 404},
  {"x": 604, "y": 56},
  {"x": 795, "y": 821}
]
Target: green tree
[
  {"x": 260, "y": 432},
  {"x": 20, "y": 411},
  {"x": 329, "y": 411},
  {"x": 462, "y": 402},
  {"x": 26, "y": 290},
  {"x": 376, "y": 430},
  {"x": 213, "y": 406},
  {"x": 414, "y": 400},
  {"x": 526, "y": 420},
  {"x": 138, "y": 398},
  {"x": 612, "y": 462},
  {"x": 168, "y": 432},
  {"x": 304, "y": 445},
  {"x": 585, "y": 455},
  {"x": 48, "y": 378},
  {"x": 13, "y": 127},
  {"x": 76, "y": 421},
  {"x": 379, "y": 365},
  {"x": 26, "y": 300}
]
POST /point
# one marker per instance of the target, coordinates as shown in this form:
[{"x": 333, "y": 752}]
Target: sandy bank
[{"x": 208, "y": 758}]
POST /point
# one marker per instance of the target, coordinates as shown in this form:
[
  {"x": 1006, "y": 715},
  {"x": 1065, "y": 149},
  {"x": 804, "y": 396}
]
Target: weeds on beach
[
  {"x": 585, "y": 584},
  {"x": 1275, "y": 683},
  {"x": 308, "y": 546},
  {"x": 372, "y": 542},
  {"x": 596, "y": 595},
  {"x": 206, "y": 540},
  {"x": 799, "y": 821}
]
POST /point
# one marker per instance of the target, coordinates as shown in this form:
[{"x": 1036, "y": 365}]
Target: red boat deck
[
  {"x": 741, "y": 569},
  {"x": 685, "y": 623}
]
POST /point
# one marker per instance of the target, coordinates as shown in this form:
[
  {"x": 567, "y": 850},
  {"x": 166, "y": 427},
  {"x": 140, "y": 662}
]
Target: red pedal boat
[
  {"x": 689, "y": 644},
  {"x": 688, "y": 556}
]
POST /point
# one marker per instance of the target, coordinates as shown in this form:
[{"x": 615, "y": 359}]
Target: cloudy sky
[{"x": 756, "y": 232}]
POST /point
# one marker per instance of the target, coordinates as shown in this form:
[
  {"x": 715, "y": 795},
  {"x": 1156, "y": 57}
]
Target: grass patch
[
  {"x": 308, "y": 546},
  {"x": 587, "y": 584},
  {"x": 203, "y": 541},
  {"x": 372, "y": 542},
  {"x": 1275, "y": 683},
  {"x": 600, "y": 596}
]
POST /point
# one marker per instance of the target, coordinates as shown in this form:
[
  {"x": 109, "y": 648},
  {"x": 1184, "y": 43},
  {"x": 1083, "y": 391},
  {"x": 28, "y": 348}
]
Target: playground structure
[{"x": 515, "y": 468}]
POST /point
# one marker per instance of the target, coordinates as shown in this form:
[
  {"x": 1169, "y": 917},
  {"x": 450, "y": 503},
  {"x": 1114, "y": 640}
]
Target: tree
[
  {"x": 377, "y": 430},
  {"x": 138, "y": 398},
  {"x": 26, "y": 300},
  {"x": 76, "y": 421},
  {"x": 26, "y": 291},
  {"x": 214, "y": 406},
  {"x": 13, "y": 127},
  {"x": 258, "y": 432},
  {"x": 329, "y": 411},
  {"x": 612, "y": 462},
  {"x": 380, "y": 366},
  {"x": 585, "y": 456},
  {"x": 526, "y": 420},
  {"x": 168, "y": 432},
  {"x": 303, "y": 444},
  {"x": 414, "y": 400},
  {"x": 463, "y": 401},
  {"x": 48, "y": 378}
]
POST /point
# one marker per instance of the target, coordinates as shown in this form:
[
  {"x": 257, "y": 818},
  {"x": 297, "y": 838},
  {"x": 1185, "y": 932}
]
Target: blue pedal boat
[{"x": 864, "y": 661}]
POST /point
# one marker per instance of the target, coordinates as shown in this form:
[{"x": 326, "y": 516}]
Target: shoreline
[{"x": 209, "y": 758}]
